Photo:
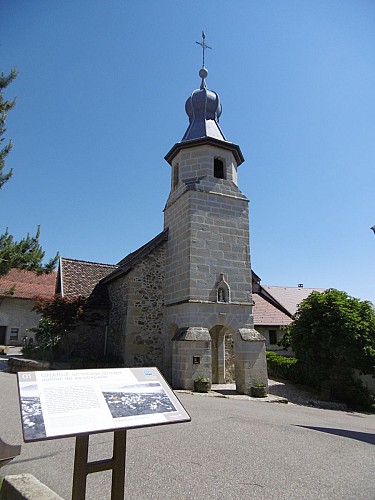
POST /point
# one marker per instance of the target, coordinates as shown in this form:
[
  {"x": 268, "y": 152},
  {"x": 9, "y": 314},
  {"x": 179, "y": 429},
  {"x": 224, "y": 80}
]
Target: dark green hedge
[
  {"x": 280, "y": 366},
  {"x": 339, "y": 387},
  {"x": 292, "y": 369}
]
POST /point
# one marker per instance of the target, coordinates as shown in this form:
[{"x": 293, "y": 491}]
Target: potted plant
[
  {"x": 258, "y": 389},
  {"x": 202, "y": 384}
]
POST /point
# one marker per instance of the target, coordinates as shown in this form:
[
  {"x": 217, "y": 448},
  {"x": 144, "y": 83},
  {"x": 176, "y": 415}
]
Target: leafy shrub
[
  {"x": 342, "y": 386},
  {"x": 332, "y": 334},
  {"x": 346, "y": 388},
  {"x": 280, "y": 366},
  {"x": 68, "y": 329},
  {"x": 46, "y": 345}
]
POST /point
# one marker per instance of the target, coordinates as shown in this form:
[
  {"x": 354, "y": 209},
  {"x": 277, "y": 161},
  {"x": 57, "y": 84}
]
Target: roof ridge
[
  {"x": 89, "y": 262},
  {"x": 296, "y": 287}
]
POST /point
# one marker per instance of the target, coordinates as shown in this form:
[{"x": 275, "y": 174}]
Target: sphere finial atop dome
[{"x": 203, "y": 73}]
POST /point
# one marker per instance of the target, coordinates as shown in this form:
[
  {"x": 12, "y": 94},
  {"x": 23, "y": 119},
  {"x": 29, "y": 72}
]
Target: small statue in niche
[{"x": 220, "y": 295}]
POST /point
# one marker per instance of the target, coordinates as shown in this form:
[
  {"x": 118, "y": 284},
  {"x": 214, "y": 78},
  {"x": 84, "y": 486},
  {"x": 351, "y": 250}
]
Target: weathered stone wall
[
  {"x": 135, "y": 318},
  {"x": 205, "y": 315},
  {"x": 230, "y": 375},
  {"x": 250, "y": 360},
  {"x": 183, "y": 352}
]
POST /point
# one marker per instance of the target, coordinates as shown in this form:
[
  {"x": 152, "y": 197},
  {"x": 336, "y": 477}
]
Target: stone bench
[
  {"x": 8, "y": 452},
  {"x": 16, "y": 365},
  {"x": 25, "y": 487}
]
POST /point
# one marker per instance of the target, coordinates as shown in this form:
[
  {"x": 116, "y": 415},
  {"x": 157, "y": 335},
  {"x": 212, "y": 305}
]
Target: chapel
[{"x": 183, "y": 301}]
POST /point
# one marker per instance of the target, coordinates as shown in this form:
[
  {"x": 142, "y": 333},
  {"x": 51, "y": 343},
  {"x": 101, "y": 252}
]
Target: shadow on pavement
[
  {"x": 226, "y": 392},
  {"x": 36, "y": 458},
  {"x": 359, "y": 436}
]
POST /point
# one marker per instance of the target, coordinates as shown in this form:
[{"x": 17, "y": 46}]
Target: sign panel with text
[{"x": 63, "y": 403}]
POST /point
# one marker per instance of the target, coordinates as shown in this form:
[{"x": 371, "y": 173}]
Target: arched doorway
[{"x": 222, "y": 355}]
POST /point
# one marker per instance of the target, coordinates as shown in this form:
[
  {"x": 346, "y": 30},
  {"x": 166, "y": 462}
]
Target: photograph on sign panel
[
  {"x": 32, "y": 415},
  {"x": 137, "y": 399}
]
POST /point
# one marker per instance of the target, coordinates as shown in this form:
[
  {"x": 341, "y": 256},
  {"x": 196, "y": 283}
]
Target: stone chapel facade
[{"x": 183, "y": 302}]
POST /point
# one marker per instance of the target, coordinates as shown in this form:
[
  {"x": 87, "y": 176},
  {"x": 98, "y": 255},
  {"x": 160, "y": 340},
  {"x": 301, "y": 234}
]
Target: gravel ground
[{"x": 300, "y": 395}]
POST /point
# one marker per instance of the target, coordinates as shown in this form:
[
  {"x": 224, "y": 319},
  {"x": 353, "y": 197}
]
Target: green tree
[
  {"x": 24, "y": 254},
  {"x": 54, "y": 335},
  {"x": 332, "y": 334},
  {"x": 5, "y": 106},
  {"x": 70, "y": 331}
]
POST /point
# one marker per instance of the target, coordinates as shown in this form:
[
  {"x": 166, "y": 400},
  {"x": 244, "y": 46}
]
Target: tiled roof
[
  {"x": 289, "y": 296},
  {"x": 267, "y": 314},
  {"x": 79, "y": 277},
  {"x": 27, "y": 285}
]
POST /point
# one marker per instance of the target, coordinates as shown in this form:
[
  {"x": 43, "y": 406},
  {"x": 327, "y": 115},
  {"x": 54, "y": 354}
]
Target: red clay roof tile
[
  {"x": 267, "y": 314},
  {"x": 79, "y": 277},
  {"x": 27, "y": 285},
  {"x": 290, "y": 297}
]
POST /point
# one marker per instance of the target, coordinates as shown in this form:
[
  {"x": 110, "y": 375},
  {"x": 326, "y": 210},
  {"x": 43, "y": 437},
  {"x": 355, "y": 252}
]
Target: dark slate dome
[{"x": 203, "y": 108}]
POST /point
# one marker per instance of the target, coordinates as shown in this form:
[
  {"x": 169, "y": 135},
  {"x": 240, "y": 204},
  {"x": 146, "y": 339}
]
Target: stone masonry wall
[{"x": 135, "y": 319}]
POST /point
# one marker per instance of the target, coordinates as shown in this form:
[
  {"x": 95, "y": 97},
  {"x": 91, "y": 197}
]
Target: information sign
[{"x": 63, "y": 403}]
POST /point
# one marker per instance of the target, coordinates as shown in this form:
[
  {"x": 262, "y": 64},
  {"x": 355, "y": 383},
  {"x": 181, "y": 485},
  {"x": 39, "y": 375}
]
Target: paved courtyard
[{"x": 232, "y": 448}]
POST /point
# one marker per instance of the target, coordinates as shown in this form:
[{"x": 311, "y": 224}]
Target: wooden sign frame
[{"x": 65, "y": 403}]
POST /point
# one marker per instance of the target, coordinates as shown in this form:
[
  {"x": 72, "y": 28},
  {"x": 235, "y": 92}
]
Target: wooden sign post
[
  {"x": 82, "y": 467},
  {"x": 56, "y": 404}
]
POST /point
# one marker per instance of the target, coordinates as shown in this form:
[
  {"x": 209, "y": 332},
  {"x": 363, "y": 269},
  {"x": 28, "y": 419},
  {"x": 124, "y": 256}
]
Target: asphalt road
[{"x": 232, "y": 449}]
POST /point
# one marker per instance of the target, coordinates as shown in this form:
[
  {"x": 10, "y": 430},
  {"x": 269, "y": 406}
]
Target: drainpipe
[{"x": 105, "y": 340}]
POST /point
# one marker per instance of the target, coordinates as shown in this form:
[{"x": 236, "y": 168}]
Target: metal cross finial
[{"x": 203, "y": 45}]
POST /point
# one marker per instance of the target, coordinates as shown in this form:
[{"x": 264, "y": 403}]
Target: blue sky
[{"x": 100, "y": 100}]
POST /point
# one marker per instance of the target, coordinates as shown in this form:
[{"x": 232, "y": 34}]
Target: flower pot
[
  {"x": 258, "y": 392},
  {"x": 202, "y": 385}
]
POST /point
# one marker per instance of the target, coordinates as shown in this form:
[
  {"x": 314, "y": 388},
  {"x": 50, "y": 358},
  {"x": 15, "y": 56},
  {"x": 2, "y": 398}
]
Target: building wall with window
[
  {"x": 16, "y": 319},
  {"x": 273, "y": 335},
  {"x": 18, "y": 289}
]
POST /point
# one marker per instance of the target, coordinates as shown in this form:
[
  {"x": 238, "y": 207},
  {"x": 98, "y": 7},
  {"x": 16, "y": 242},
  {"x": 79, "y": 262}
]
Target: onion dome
[{"x": 203, "y": 109}]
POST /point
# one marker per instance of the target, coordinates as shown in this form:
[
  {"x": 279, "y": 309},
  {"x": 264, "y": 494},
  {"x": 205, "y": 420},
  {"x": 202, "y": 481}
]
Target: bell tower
[{"x": 208, "y": 320}]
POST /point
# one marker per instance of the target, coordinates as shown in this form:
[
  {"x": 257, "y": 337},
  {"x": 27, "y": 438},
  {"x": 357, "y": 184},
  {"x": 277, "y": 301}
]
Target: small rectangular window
[
  {"x": 176, "y": 175},
  {"x": 14, "y": 334},
  {"x": 218, "y": 168},
  {"x": 272, "y": 336}
]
